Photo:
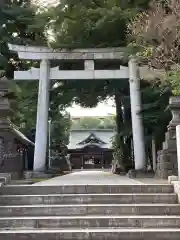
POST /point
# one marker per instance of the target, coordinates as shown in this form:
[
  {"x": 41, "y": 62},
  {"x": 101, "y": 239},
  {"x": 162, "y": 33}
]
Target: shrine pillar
[
  {"x": 137, "y": 124},
  {"x": 42, "y": 117}
]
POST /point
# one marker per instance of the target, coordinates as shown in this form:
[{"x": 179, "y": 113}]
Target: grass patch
[{"x": 35, "y": 180}]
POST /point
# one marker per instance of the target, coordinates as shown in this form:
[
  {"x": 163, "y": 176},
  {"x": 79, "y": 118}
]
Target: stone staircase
[{"x": 93, "y": 212}]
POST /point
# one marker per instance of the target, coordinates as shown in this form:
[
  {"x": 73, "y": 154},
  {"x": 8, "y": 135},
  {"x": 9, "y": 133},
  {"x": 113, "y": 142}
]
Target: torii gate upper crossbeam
[{"x": 38, "y": 53}]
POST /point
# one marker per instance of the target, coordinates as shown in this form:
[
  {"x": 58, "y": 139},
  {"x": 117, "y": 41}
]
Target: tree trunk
[
  {"x": 129, "y": 157},
  {"x": 119, "y": 112},
  {"x": 120, "y": 165},
  {"x": 154, "y": 154}
]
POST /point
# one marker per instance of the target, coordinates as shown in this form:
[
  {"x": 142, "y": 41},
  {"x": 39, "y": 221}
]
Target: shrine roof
[
  {"x": 20, "y": 136},
  {"x": 99, "y": 137}
]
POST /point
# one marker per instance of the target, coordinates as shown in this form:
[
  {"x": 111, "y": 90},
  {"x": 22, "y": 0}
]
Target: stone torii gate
[{"x": 44, "y": 74}]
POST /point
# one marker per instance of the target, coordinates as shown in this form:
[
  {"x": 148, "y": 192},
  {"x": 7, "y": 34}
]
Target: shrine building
[{"x": 91, "y": 148}]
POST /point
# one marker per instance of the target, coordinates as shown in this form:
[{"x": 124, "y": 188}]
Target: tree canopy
[
  {"x": 18, "y": 25},
  {"x": 156, "y": 32}
]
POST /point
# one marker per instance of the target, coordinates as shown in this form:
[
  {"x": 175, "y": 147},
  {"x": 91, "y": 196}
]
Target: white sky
[
  {"x": 45, "y": 3},
  {"x": 103, "y": 109}
]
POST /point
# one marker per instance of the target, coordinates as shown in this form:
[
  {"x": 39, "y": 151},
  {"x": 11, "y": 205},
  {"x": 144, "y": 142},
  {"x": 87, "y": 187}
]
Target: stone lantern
[
  {"x": 167, "y": 157},
  {"x": 12, "y": 159}
]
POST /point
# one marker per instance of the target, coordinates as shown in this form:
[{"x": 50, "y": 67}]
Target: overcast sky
[
  {"x": 103, "y": 109},
  {"x": 45, "y": 2}
]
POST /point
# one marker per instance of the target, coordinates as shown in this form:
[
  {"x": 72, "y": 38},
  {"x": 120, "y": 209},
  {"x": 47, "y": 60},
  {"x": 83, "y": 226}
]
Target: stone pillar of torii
[{"x": 44, "y": 74}]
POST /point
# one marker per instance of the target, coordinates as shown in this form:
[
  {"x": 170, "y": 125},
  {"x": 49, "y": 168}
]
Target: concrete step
[
  {"x": 21, "y": 182},
  {"x": 90, "y": 209},
  {"x": 75, "y": 189},
  {"x": 87, "y": 198},
  {"x": 93, "y": 234},
  {"x": 85, "y": 222}
]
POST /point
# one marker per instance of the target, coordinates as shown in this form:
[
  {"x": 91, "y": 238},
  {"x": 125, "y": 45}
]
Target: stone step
[
  {"x": 85, "y": 222},
  {"x": 90, "y": 209},
  {"x": 93, "y": 234},
  {"x": 87, "y": 198},
  {"x": 21, "y": 182},
  {"x": 75, "y": 189}
]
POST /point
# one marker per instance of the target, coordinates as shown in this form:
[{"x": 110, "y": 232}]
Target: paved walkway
[{"x": 95, "y": 177}]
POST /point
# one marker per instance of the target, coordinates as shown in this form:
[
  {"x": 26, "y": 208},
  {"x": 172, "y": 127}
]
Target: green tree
[
  {"x": 18, "y": 25},
  {"x": 95, "y": 24},
  {"x": 91, "y": 23},
  {"x": 173, "y": 78},
  {"x": 60, "y": 127},
  {"x": 94, "y": 123},
  {"x": 16, "y": 19},
  {"x": 108, "y": 122},
  {"x": 155, "y": 111},
  {"x": 24, "y": 106},
  {"x": 156, "y": 32}
]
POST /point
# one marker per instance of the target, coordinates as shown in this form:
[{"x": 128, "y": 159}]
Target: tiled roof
[
  {"x": 20, "y": 136},
  {"x": 78, "y": 136}
]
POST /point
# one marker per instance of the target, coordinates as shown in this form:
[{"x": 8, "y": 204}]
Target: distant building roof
[
  {"x": 100, "y": 137},
  {"x": 20, "y": 136}
]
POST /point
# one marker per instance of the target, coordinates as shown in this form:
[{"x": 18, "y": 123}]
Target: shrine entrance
[
  {"x": 92, "y": 157},
  {"x": 92, "y": 59}
]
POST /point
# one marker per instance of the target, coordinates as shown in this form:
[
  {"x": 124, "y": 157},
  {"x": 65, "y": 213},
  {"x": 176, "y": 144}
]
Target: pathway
[{"x": 95, "y": 177}]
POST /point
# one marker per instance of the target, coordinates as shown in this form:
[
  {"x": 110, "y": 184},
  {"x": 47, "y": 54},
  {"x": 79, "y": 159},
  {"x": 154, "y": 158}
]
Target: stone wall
[{"x": 11, "y": 160}]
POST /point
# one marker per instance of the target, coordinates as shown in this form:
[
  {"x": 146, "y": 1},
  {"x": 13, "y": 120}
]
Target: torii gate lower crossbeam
[{"x": 45, "y": 74}]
